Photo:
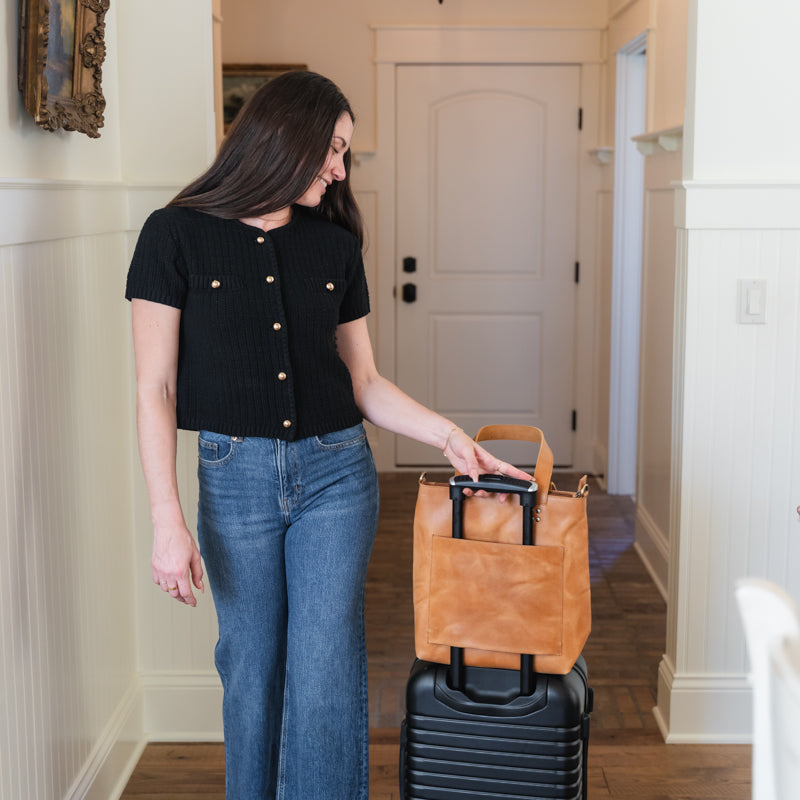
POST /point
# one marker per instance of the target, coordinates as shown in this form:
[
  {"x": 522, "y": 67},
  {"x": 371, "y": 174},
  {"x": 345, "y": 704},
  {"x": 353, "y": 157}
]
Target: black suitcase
[{"x": 474, "y": 733}]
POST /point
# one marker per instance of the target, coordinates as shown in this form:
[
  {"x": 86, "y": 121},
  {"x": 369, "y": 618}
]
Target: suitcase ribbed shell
[{"x": 488, "y": 743}]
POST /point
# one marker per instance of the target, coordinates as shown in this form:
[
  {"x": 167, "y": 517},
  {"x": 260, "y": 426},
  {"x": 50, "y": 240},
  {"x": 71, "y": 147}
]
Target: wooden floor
[{"x": 628, "y": 759}]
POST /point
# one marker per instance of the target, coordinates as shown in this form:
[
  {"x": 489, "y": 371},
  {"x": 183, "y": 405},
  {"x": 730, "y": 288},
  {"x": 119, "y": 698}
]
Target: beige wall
[
  {"x": 335, "y": 38},
  {"x": 665, "y": 24},
  {"x": 654, "y": 459},
  {"x": 312, "y": 33}
]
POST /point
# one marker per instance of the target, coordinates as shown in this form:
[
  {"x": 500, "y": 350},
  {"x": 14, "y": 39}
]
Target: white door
[{"x": 487, "y": 200}]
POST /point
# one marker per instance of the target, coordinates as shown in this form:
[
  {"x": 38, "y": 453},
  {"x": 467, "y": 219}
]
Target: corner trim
[
  {"x": 703, "y": 708},
  {"x": 115, "y": 754}
]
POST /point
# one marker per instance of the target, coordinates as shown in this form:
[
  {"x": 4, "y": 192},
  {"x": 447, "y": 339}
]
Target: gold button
[
  {"x": 329, "y": 287},
  {"x": 287, "y": 423},
  {"x": 270, "y": 279},
  {"x": 281, "y": 376},
  {"x": 215, "y": 284},
  {"x": 260, "y": 240},
  {"x": 276, "y": 326}
]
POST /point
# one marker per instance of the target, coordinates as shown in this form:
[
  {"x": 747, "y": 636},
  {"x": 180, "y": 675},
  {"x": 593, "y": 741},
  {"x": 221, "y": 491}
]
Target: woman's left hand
[{"x": 469, "y": 458}]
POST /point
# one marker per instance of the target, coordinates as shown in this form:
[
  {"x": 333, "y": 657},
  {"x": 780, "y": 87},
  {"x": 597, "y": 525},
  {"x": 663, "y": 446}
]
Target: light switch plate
[{"x": 752, "y": 302}]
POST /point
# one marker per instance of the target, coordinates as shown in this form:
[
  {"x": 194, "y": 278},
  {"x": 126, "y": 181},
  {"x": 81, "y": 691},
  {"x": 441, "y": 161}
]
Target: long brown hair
[{"x": 274, "y": 150}]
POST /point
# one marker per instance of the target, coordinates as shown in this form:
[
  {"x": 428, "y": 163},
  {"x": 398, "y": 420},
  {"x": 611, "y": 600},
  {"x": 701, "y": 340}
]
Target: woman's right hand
[{"x": 176, "y": 563}]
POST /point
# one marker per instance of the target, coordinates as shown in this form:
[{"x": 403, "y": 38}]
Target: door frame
[
  {"x": 626, "y": 269},
  {"x": 395, "y": 45}
]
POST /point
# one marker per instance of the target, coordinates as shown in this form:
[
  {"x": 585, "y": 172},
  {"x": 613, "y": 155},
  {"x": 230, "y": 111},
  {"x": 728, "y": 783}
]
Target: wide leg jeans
[{"x": 286, "y": 530}]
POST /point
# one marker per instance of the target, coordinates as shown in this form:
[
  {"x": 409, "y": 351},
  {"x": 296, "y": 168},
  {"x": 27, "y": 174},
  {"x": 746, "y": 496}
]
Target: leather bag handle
[{"x": 525, "y": 433}]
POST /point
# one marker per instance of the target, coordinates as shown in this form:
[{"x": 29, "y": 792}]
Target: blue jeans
[{"x": 286, "y": 531}]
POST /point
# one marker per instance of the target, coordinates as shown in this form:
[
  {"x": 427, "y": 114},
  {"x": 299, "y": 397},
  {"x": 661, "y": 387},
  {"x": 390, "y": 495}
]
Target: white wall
[
  {"x": 736, "y": 446},
  {"x": 70, "y": 687}
]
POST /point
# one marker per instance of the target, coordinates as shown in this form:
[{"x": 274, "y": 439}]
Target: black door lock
[{"x": 409, "y": 292}]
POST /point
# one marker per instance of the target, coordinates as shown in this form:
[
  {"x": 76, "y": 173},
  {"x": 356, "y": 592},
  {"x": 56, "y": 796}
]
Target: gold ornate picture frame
[{"x": 61, "y": 53}]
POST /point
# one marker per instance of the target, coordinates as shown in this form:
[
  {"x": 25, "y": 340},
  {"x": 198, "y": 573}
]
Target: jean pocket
[
  {"x": 338, "y": 440},
  {"x": 216, "y": 449}
]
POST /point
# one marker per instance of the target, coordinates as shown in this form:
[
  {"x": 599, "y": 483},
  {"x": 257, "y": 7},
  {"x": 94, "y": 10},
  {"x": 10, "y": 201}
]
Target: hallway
[{"x": 628, "y": 759}]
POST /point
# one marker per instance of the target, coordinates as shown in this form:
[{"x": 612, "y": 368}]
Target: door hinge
[
  {"x": 580, "y": 119},
  {"x": 574, "y": 420},
  {"x": 577, "y": 272}
]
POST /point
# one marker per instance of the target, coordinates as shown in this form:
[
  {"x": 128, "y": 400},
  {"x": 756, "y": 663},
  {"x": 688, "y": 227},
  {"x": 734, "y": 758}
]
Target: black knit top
[{"x": 257, "y": 351}]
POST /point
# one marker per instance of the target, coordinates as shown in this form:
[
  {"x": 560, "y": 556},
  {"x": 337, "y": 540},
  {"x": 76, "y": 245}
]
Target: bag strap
[{"x": 525, "y": 433}]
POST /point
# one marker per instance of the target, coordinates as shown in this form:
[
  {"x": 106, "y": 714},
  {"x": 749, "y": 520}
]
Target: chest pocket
[
  {"x": 324, "y": 293},
  {"x": 217, "y": 299},
  {"x": 220, "y": 283}
]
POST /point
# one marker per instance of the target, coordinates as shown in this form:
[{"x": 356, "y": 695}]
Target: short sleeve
[
  {"x": 355, "y": 303},
  {"x": 157, "y": 271}
]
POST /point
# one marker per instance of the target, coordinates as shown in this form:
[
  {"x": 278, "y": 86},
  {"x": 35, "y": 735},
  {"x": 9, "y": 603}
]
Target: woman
[{"x": 249, "y": 307}]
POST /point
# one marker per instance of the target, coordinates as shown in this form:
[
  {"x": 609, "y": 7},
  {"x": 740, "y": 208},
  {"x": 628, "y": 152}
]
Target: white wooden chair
[
  {"x": 785, "y": 671},
  {"x": 772, "y": 631}
]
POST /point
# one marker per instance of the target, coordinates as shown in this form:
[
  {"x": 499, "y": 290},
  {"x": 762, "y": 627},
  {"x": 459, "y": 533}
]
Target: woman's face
[{"x": 333, "y": 170}]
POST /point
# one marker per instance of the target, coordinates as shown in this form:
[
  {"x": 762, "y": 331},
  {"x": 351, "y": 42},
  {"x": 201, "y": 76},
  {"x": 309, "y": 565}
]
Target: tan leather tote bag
[{"x": 489, "y": 594}]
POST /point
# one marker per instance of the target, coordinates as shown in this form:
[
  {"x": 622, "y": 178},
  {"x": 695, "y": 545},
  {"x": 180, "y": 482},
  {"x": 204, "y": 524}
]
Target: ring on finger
[{"x": 172, "y": 588}]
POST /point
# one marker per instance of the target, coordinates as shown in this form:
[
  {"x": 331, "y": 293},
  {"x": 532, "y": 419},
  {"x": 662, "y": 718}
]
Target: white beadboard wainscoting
[
  {"x": 736, "y": 423},
  {"x": 70, "y": 696},
  {"x": 92, "y": 654},
  {"x": 662, "y": 168}
]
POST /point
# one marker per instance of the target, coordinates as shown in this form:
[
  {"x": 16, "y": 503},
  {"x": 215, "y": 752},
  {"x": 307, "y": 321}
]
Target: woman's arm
[
  {"x": 176, "y": 559},
  {"x": 387, "y": 406}
]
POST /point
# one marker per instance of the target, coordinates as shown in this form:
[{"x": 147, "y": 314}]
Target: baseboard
[
  {"x": 652, "y": 546},
  {"x": 114, "y": 757},
  {"x": 600, "y": 458},
  {"x": 703, "y": 708},
  {"x": 158, "y": 706},
  {"x": 182, "y": 706}
]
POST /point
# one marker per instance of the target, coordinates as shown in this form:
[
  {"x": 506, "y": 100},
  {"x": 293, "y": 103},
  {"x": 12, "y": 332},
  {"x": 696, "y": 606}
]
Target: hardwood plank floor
[{"x": 628, "y": 759}]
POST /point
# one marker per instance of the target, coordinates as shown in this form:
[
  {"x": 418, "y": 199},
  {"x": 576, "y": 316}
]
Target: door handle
[{"x": 409, "y": 293}]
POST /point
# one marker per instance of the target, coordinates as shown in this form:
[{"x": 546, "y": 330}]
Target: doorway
[
  {"x": 626, "y": 280},
  {"x": 486, "y": 241}
]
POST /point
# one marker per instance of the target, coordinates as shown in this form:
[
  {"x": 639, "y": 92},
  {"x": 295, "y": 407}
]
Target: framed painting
[
  {"x": 61, "y": 53},
  {"x": 240, "y": 81}
]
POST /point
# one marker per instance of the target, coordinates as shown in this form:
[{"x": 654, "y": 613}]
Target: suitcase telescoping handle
[{"x": 526, "y": 490}]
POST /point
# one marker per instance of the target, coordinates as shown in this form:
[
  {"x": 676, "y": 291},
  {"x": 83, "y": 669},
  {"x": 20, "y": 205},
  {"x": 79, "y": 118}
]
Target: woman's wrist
[
  {"x": 449, "y": 435},
  {"x": 167, "y": 513}
]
